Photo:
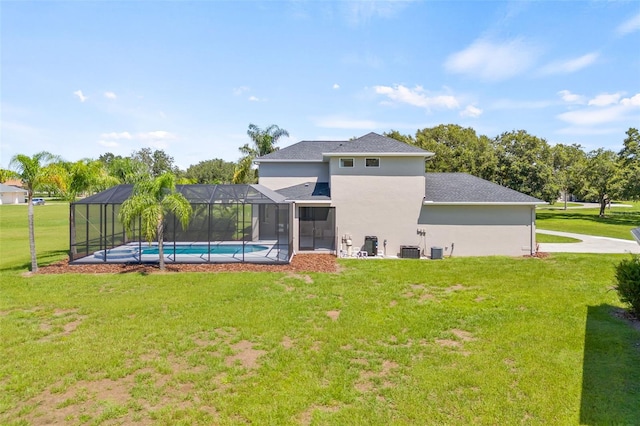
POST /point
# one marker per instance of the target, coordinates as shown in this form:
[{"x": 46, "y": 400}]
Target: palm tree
[
  {"x": 264, "y": 142},
  {"x": 31, "y": 171},
  {"x": 150, "y": 201}
]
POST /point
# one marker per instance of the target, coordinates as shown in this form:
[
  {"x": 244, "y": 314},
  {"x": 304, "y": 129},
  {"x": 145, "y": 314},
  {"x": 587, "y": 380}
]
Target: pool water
[{"x": 203, "y": 249}]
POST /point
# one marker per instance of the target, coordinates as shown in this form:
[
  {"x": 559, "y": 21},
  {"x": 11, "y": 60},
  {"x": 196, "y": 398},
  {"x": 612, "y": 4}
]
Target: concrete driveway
[{"x": 589, "y": 244}]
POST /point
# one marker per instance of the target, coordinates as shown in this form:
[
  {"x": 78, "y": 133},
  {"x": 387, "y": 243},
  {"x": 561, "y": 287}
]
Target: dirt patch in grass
[
  {"x": 334, "y": 315},
  {"x": 245, "y": 355},
  {"x": 370, "y": 380},
  {"x": 300, "y": 263},
  {"x": 306, "y": 416}
]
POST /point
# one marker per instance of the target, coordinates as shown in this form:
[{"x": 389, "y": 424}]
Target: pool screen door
[{"x": 317, "y": 228}]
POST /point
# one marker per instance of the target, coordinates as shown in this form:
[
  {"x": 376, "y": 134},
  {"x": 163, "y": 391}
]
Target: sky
[{"x": 80, "y": 79}]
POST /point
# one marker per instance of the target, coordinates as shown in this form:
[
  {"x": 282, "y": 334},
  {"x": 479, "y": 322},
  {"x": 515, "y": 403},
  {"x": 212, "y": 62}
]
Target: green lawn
[
  {"x": 548, "y": 238},
  {"x": 457, "y": 341},
  {"x": 617, "y": 222}
]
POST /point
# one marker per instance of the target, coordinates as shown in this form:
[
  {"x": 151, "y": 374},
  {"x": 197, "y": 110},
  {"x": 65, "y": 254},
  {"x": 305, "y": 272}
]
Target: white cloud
[
  {"x": 110, "y": 95},
  {"x": 605, "y": 99},
  {"x": 632, "y": 101},
  {"x": 240, "y": 90},
  {"x": 361, "y": 12},
  {"x": 571, "y": 98},
  {"x": 254, "y": 99},
  {"x": 80, "y": 96},
  {"x": 336, "y": 86},
  {"x": 116, "y": 136},
  {"x": 603, "y": 109},
  {"x": 493, "y": 61},
  {"x": 417, "y": 97},
  {"x": 471, "y": 111},
  {"x": 570, "y": 65},
  {"x": 631, "y": 25}
]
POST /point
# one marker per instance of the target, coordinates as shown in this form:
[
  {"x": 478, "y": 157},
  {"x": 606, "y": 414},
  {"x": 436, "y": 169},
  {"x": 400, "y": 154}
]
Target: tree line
[
  {"x": 516, "y": 159},
  {"x": 527, "y": 163}
]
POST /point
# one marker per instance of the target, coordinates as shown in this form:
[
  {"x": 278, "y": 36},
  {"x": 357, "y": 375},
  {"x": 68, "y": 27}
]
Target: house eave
[
  {"x": 378, "y": 154},
  {"x": 258, "y": 161},
  {"x": 479, "y": 203}
]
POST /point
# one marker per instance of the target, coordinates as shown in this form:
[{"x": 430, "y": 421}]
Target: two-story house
[{"x": 344, "y": 193}]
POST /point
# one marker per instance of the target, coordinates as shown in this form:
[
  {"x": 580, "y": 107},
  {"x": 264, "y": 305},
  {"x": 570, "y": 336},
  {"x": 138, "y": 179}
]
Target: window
[
  {"x": 372, "y": 162},
  {"x": 346, "y": 162}
]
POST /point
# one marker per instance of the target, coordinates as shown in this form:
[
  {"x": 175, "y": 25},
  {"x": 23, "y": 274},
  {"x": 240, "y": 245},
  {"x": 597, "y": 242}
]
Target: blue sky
[{"x": 80, "y": 79}]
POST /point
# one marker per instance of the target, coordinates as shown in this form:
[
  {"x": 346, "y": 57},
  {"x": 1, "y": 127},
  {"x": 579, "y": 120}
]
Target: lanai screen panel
[{"x": 222, "y": 214}]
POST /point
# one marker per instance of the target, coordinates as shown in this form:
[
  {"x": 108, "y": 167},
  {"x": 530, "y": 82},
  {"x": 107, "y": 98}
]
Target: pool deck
[{"x": 129, "y": 253}]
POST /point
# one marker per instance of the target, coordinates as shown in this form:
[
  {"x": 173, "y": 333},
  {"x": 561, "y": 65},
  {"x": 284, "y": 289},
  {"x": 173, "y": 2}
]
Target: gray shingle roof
[
  {"x": 307, "y": 191},
  {"x": 369, "y": 143},
  {"x": 464, "y": 188},
  {"x": 636, "y": 234},
  {"x": 10, "y": 188}
]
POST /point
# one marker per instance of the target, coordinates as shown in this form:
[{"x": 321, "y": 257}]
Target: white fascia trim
[
  {"x": 378, "y": 154},
  {"x": 301, "y": 202},
  {"x": 287, "y": 161},
  {"x": 478, "y": 203}
]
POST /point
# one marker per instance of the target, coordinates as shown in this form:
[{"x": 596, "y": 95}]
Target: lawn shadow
[
  {"x": 611, "y": 369},
  {"x": 43, "y": 258}
]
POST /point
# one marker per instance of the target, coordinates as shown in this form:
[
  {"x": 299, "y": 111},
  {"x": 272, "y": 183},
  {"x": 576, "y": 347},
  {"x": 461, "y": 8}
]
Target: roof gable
[{"x": 368, "y": 144}]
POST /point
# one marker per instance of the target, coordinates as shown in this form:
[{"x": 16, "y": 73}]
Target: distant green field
[
  {"x": 617, "y": 222},
  {"x": 51, "y": 230}
]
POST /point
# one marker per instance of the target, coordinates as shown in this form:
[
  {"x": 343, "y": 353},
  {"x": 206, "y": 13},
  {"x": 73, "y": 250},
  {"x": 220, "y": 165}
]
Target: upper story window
[
  {"x": 372, "y": 162},
  {"x": 346, "y": 162}
]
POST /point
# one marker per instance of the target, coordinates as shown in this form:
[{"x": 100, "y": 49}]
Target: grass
[
  {"x": 458, "y": 341},
  {"x": 617, "y": 222},
  {"x": 548, "y": 238}
]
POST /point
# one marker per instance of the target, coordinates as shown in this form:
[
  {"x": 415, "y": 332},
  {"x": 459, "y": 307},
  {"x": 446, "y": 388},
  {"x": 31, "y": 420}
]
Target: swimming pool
[
  {"x": 185, "y": 251},
  {"x": 204, "y": 249}
]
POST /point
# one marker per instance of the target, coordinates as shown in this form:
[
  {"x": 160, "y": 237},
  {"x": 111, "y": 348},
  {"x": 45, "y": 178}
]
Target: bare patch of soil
[
  {"x": 366, "y": 381},
  {"x": 448, "y": 343},
  {"x": 245, "y": 354},
  {"x": 465, "y": 336},
  {"x": 287, "y": 343},
  {"x": 300, "y": 263},
  {"x": 334, "y": 315},
  {"x": 306, "y": 416}
]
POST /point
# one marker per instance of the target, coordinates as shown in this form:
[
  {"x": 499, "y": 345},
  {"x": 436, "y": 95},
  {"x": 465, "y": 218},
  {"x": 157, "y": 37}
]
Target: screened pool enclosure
[{"x": 230, "y": 223}]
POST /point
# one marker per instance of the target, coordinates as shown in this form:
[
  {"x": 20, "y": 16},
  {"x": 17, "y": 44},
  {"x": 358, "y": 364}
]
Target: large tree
[
  {"x": 629, "y": 158},
  {"x": 569, "y": 163},
  {"x": 525, "y": 163},
  {"x": 125, "y": 169},
  {"x": 602, "y": 177},
  {"x": 264, "y": 142},
  {"x": 157, "y": 161},
  {"x": 211, "y": 171},
  {"x": 457, "y": 149},
  {"x": 151, "y": 200},
  {"x": 31, "y": 171}
]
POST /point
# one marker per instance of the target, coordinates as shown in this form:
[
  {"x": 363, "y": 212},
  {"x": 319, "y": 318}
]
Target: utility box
[
  {"x": 436, "y": 253},
  {"x": 371, "y": 245},
  {"x": 410, "y": 252}
]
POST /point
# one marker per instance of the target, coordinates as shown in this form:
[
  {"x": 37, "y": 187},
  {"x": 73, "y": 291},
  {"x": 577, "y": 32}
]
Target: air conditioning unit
[{"x": 410, "y": 252}]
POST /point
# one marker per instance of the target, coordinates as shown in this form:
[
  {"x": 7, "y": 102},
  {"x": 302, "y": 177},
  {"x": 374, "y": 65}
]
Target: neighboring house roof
[
  {"x": 14, "y": 182},
  {"x": 11, "y": 188},
  {"x": 309, "y": 191},
  {"x": 462, "y": 188},
  {"x": 371, "y": 143}
]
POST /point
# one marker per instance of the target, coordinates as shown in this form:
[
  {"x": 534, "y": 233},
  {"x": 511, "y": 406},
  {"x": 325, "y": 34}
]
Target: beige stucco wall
[
  {"x": 384, "y": 202},
  {"x": 12, "y": 197},
  {"x": 285, "y": 174},
  {"x": 479, "y": 230}
]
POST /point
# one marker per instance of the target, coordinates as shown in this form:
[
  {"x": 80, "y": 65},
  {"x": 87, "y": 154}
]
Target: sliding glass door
[{"x": 317, "y": 228}]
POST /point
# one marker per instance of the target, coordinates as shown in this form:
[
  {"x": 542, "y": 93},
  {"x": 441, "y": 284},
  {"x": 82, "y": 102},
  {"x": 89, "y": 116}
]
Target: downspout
[{"x": 532, "y": 250}]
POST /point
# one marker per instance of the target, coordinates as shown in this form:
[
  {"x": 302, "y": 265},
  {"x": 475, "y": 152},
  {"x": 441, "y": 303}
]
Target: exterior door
[{"x": 317, "y": 228}]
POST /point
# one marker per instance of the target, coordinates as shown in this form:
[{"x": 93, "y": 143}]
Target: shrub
[{"x": 628, "y": 277}]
